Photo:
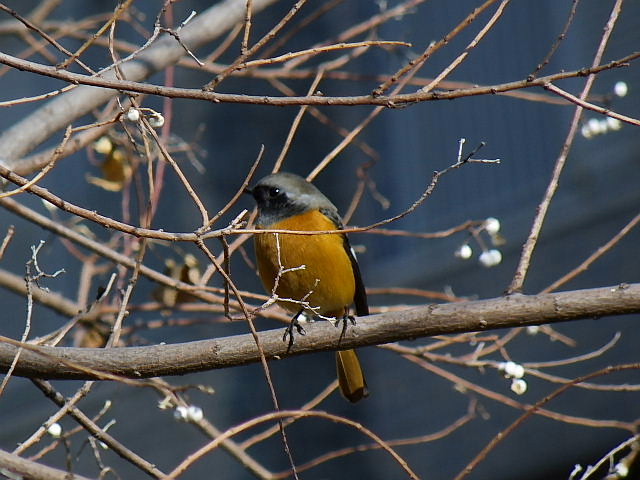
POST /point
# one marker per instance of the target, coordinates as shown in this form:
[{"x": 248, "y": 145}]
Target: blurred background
[{"x": 597, "y": 196}]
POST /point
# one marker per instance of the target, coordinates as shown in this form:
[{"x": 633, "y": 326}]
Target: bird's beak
[{"x": 248, "y": 191}]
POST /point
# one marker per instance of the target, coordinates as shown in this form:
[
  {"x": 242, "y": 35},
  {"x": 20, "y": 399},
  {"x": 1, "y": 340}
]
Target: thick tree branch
[
  {"x": 24, "y": 468},
  {"x": 178, "y": 359}
]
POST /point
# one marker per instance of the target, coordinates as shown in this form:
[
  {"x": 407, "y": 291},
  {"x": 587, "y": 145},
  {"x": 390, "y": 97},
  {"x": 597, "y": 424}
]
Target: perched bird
[{"x": 316, "y": 274}]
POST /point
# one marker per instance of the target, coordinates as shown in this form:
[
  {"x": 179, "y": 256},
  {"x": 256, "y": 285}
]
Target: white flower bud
[
  {"x": 55, "y": 430},
  {"x": 604, "y": 126},
  {"x": 464, "y": 252},
  {"x": 533, "y": 329},
  {"x": 516, "y": 370},
  {"x": 490, "y": 258},
  {"x": 518, "y": 386},
  {"x": 614, "y": 123},
  {"x": 133, "y": 115},
  {"x": 47, "y": 205},
  {"x": 511, "y": 369},
  {"x": 188, "y": 414},
  {"x": 586, "y": 131},
  {"x": 194, "y": 413},
  {"x": 181, "y": 413},
  {"x": 492, "y": 225},
  {"x": 156, "y": 120},
  {"x": 595, "y": 126},
  {"x": 621, "y": 89}
]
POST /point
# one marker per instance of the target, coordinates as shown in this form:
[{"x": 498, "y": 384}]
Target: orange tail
[{"x": 350, "y": 376}]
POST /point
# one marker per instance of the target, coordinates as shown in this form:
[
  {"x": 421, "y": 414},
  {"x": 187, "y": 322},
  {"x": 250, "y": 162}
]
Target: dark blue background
[{"x": 598, "y": 194}]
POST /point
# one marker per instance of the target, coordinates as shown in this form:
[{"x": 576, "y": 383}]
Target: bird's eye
[{"x": 274, "y": 192}]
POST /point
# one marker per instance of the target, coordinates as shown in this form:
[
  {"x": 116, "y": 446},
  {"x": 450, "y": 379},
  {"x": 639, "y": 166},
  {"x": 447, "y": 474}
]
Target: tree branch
[
  {"x": 179, "y": 359},
  {"x": 392, "y": 101},
  {"x": 35, "y": 471},
  {"x": 34, "y": 129}
]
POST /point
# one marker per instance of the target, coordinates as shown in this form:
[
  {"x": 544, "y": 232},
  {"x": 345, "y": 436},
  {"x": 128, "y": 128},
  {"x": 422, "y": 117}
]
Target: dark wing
[{"x": 360, "y": 297}]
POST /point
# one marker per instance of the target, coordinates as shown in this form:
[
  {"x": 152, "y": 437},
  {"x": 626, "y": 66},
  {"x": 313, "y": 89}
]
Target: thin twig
[
  {"x": 446, "y": 431},
  {"x": 241, "y": 191},
  {"x": 263, "y": 359},
  {"x": 120, "y": 9},
  {"x": 45, "y": 35},
  {"x": 415, "y": 64},
  {"x": 473, "y": 44},
  {"x": 590, "y": 106},
  {"x": 47, "y": 168},
  {"x": 283, "y": 414},
  {"x": 392, "y": 101},
  {"x": 257, "y": 46},
  {"x": 62, "y": 411},
  {"x": 556, "y": 44},
  {"x": 7, "y": 240},
  {"x": 98, "y": 432},
  {"x": 536, "y": 409},
  {"x": 406, "y": 76},
  {"x": 247, "y": 28},
  {"x": 527, "y": 251},
  {"x": 584, "y": 266},
  {"x": 296, "y": 123}
]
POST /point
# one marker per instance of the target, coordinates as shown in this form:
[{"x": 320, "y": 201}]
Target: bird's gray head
[{"x": 282, "y": 195}]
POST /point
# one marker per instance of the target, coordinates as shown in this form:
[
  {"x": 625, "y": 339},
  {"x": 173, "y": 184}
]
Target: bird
[{"x": 313, "y": 274}]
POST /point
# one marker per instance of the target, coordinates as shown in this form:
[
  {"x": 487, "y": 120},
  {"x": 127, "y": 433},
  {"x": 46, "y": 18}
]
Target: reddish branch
[{"x": 395, "y": 101}]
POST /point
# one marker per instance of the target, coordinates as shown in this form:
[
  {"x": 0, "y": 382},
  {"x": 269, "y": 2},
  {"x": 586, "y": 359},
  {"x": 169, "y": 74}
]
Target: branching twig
[
  {"x": 584, "y": 266},
  {"x": 533, "y": 410},
  {"x": 284, "y": 414},
  {"x": 258, "y": 45},
  {"x": 527, "y": 251}
]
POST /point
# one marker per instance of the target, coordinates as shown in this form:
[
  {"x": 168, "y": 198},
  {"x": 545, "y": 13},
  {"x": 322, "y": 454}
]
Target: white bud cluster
[
  {"x": 595, "y": 127},
  {"x": 511, "y": 369},
  {"x": 188, "y": 414},
  {"x": 488, "y": 257},
  {"x": 155, "y": 119},
  {"x": 515, "y": 372}
]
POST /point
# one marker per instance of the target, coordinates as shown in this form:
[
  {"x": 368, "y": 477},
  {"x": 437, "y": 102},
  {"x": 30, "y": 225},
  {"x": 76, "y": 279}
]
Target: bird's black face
[
  {"x": 274, "y": 204},
  {"x": 270, "y": 197}
]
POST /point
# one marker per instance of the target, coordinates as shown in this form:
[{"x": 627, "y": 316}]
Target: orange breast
[{"x": 311, "y": 268}]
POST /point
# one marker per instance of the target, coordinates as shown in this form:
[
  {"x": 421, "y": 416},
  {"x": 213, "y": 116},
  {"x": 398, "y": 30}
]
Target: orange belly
[{"x": 326, "y": 282}]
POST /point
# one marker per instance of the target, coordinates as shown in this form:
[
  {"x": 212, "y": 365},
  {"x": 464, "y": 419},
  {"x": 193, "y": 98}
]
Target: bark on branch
[
  {"x": 24, "y": 468},
  {"x": 178, "y": 359}
]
